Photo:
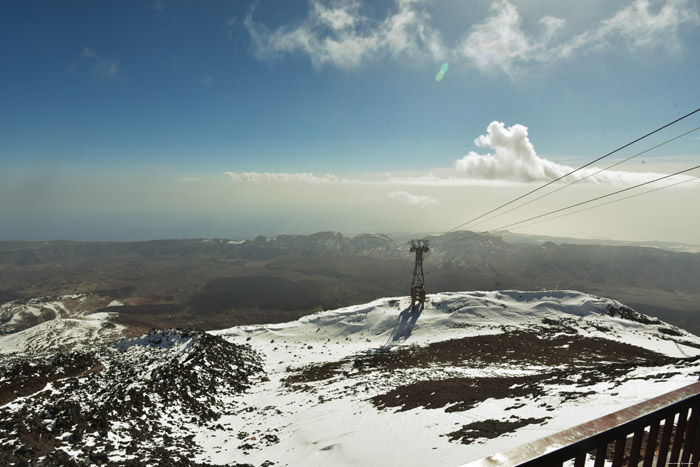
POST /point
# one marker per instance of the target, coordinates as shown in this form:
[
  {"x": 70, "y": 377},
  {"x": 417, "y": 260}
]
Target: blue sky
[{"x": 137, "y": 120}]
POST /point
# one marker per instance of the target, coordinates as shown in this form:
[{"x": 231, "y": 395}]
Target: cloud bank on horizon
[
  {"x": 281, "y": 177},
  {"x": 339, "y": 33},
  {"x": 513, "y": 160}
]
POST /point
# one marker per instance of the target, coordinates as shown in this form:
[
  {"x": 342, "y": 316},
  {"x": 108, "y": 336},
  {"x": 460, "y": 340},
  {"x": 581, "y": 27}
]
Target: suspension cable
[
  {"x": 476, "y": 234},
  {"x": 610, "y": 202},
  {"x": 586, "y": 177},
  {"x": 575, "y": 170}
]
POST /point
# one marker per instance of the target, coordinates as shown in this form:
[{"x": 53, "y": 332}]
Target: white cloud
[
  {"x": 99, "y": 65},
  {"x": 432, "y": 180},
  {"x": 190, "y": 179},
  {"x": 638, "y": 27},
  {"x": 413, "y": 200},
  {"x": 499, "y": 41},
  {"x": 429, "y": 180},
  {"x": 514, "y": 159},
  {"x": 338, "y": 33},
  {"x": 281, "y": 177}
]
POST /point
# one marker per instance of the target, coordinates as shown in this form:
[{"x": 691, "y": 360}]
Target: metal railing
[{"x": 663, "y": 431}]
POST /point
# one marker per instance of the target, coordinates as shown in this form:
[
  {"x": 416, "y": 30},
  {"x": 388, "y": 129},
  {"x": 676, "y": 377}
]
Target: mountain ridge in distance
[{"x": 203, "y": 283}]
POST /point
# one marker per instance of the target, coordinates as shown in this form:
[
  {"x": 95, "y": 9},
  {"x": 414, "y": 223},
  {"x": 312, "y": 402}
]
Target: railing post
[
  {"x": 665, "y": 441},
  {"x": 636, "y": 447},
  {"x": 619, "y": 451},
  {"x": 600, "y": 455},
  {"x": 690, "y": 431},
  {"x": 678, "y": 437},
  {"x": 651, "y": 443},
  {"x": 678, "y": 411},
  {"x": 696, "y": 449}
]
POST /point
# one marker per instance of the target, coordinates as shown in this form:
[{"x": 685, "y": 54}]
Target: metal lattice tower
[{"x": 418, "y": 282}]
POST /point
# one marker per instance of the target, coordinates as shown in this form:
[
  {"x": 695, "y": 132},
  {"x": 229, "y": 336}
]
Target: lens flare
[{"x": 443, "y": 69}]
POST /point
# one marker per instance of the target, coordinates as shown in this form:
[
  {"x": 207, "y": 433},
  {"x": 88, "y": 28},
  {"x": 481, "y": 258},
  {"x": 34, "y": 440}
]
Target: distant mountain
[
  {"x": 319, "y": 244},
  {"x": 373, "y": 384},
  {"x": 215, "y": 283}
]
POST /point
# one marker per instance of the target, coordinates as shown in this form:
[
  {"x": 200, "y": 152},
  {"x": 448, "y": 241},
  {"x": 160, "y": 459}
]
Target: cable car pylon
[{"x": 418, "y": 282}]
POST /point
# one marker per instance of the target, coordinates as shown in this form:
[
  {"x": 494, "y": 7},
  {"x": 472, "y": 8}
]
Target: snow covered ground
[
  {"x": 333, "y": 421},
  {"x": 69, "y": 321},
  {"x": 468, "y": 375}
]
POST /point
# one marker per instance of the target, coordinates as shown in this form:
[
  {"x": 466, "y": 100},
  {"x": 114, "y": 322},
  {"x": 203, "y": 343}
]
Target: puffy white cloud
[
  {"x": 281, "y": 177},
  {"x": 413, "y": 200},
  {"x": 514, "y": 159}
]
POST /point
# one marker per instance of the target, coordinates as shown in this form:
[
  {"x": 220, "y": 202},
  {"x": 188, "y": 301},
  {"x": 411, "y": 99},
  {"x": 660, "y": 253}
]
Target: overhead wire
[
  {"x": 611, "y": 202},
  {"x": 574, "y": 171},
  {"x": 586, "y": 177},
  {"x": 477, "y": 234}
]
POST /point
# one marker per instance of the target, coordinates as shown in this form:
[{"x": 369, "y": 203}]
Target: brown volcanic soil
[
  {"x": 520, "y": 348},
  {"x": 568, "y": 359},
  {"x": 492, "y": 428},
  {"x": 22, "y": 377}
]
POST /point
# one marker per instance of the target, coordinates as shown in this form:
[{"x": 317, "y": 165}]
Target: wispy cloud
[
  {"x": 341, "y": 34},
  {"x": 281, "y": 177},
  {"x": 99, "y": 65},
  {"x": 337, "y": 33},
  {"x": 190, "y": 179},
  {"x": 499, "y": 42},
  {"x": 413, "y": 200},
  {"x": 638, "y": 27},
  {"x": 429, "y": 180}
]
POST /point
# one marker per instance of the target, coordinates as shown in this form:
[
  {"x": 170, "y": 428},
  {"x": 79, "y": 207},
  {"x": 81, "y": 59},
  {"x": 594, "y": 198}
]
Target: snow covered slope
[
  {"x": 69, "y": 321},
  {"x": 377, "y": 384}
]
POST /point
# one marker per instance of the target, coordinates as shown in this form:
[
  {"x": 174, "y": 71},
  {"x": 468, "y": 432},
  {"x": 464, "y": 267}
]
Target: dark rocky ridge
[{"x": 123, "y": 405}]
